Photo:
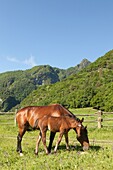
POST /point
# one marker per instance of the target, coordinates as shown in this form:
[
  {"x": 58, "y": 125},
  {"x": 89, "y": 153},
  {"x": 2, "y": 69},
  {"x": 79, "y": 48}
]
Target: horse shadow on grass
[
  {"x": 77, "y": 148},
  {"x": 95, "y": 148}
]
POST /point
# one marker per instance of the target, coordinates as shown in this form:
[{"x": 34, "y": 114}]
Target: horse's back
[{"x": 31, "y": 114}]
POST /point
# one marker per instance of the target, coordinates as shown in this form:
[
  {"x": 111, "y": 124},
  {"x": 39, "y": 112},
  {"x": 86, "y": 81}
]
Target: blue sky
[{"x": 56, "y": 32}]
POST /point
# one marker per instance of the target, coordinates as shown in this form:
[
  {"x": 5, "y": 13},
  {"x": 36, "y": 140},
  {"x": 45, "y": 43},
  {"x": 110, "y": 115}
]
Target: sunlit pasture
[{"x": 99, "y": 156}]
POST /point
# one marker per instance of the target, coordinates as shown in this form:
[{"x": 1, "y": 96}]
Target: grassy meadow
[{"x": 99, "y": 156}]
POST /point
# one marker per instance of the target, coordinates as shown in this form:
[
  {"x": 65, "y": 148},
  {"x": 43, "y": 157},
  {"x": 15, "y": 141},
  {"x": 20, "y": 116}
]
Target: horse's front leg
[
  {"x": 66, "y": 140},
  {"x": 37, "y": 143},
  {"x": 52, "y": 135},
  {"x": 44, "y": 141},
  {"x": 58, "y": 141}
]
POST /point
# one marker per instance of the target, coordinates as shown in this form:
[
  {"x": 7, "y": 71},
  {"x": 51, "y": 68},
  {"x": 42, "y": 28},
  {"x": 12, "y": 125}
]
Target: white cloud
[
  {"x": 30, "y": 61},
  {"x": 13, "y": 59}
]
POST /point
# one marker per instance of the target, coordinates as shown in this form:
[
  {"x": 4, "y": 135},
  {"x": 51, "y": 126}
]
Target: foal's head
[{"x": 82, "y": 135}]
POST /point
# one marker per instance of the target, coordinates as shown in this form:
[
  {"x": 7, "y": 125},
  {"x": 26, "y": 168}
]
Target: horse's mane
[{"x": 70, "y": 114}]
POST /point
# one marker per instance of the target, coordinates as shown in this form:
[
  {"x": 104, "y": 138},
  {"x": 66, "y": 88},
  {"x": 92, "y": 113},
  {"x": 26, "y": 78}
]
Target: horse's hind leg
[
  {"x": 52, "y": 135},
  {"x": 19, "y": 139},
  {"x": 67, "y": 141},
  {"x": 37, "y": 143}
]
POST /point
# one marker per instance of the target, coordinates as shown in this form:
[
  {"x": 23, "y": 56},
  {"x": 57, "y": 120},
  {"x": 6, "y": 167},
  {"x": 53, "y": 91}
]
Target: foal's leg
[
  {"x": 59, "y": 140},
  {"x": 52, "y": 135},
  {"x": 67, "y": 141},
  {"x": 44, "y": 141},
  {"x": 19, "y": 140},
  {"x": 37, "y": 143}
]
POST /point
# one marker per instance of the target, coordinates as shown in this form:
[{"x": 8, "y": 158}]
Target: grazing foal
[{"x": 57, "y": 124}]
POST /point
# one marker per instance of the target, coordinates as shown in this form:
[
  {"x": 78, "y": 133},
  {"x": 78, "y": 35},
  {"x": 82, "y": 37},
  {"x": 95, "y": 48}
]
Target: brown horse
[
  {"x": 57, "y": 124},
  {"x": 29, "y": 116}
]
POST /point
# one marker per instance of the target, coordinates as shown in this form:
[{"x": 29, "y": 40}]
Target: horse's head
[{"x": 82, "y": 135}]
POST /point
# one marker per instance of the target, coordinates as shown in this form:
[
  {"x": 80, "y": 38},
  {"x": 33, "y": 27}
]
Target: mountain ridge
[
  {"x": 91, "y": 87},
  {"x": 16, "y": 85}
]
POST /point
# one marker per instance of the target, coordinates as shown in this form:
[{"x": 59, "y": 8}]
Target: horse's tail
[{"x": 15, "y": 119}]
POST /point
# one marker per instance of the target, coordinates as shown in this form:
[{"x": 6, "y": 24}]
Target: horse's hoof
[
  {"x": 55, "y": 152},
  {"x": 21, "y": 154},
  {"x": 68, "y": 149},
  {"x": 36, "y": 153},
  {"x": 49, "y": 151}
]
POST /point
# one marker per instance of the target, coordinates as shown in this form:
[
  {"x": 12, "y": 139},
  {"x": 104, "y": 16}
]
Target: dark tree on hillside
[{"x": 9, "y": 103}]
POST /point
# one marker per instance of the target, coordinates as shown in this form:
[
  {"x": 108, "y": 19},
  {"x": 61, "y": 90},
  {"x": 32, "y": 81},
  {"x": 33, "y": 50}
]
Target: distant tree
[{"x": 9, "y": 103}]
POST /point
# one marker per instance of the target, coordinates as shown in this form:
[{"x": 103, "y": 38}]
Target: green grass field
[{"x": 99, "y": 156}]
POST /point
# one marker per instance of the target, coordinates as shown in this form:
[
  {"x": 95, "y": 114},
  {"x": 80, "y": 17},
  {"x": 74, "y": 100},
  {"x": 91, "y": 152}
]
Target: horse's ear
[
  {"x": 81, "y": 120},
  {"x": 85, "y": 127}
]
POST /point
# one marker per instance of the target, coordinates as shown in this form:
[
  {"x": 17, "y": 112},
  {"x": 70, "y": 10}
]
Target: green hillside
[
  {"x": 17, "y": 85},
  {"x": 93, "y": 86}
]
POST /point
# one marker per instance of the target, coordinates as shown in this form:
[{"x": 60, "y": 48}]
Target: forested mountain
[
  {"x": 88, "y": 86},
  {"x": 91, "y": 87},
  {"x": 17, "y": 85}
]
